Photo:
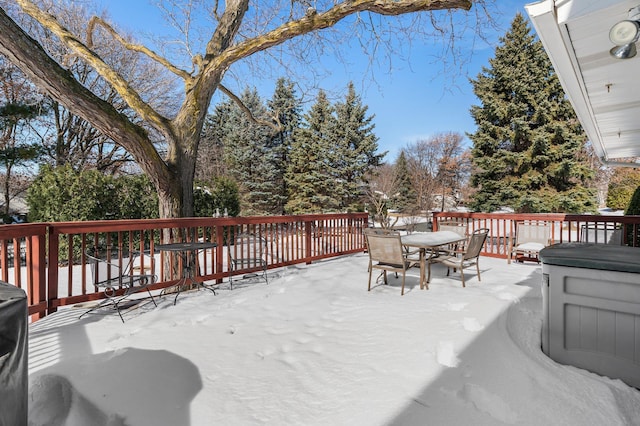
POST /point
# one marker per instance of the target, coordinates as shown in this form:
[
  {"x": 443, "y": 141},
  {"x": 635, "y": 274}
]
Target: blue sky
[{"x": 414, "y": 101}]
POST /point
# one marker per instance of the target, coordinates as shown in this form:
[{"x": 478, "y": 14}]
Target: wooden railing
[
  {"x": 564, "y": 227},
  {"x": 48, "y": 260}
]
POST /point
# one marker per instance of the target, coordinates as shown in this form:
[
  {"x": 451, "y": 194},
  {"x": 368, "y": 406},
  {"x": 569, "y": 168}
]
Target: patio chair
[
  {"x": 248, "y": 253},
  {"x": 462, "y": 259},
  {"x": 457, "y": 227},
  {"x": 387, "y": 231},
  {"x": 530, "y": 238},
  {"x": 116, "y": 277},
  {"x": 387, "y": 253},
  {"x": 601, "y": 233}
]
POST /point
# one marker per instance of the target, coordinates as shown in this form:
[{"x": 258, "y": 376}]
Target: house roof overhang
[{"x": 603, "y": 90}]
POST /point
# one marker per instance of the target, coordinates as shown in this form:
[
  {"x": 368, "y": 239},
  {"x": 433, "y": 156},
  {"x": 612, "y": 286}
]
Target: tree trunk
[{"x": 7, "y": 198}]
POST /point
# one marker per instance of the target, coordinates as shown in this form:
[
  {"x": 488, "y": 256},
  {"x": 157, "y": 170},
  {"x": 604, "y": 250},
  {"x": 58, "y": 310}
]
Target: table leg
[
  {"x": 424, "y": 284},
  {"x": 429, "y": 269}
]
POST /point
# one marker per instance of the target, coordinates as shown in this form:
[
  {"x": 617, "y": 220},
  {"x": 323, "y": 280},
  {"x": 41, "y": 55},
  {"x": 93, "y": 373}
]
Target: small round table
[{"x": 188, "y": 272}]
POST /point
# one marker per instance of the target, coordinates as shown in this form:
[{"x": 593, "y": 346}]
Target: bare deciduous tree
[
  {"x": 237, "y": 33},
  {"x": 69, "y": 139},
  {"x": 382, "y": 187},
  {"x": 439, "y": 166}
]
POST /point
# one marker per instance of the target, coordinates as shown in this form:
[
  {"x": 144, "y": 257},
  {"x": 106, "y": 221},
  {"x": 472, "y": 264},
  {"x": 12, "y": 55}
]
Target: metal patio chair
[
  {"x": 387, "y": 254},
  {"x": 248, "y": 253},
  {"x": 116, "y": 276},
  {"x": 466, "y": 258}
]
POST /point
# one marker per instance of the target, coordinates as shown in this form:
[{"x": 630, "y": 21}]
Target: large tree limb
[
  {"x": 208, "y": 79},
  {"x": 60, "y": 84},
  {"x": 123, "y": 88},
  {"x": 133, "y": 47},
  {"x": 318, "y": 21}
]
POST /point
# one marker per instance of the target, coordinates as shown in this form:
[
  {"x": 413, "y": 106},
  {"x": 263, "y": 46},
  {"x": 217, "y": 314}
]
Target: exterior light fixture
[{"x": 624, "y": 35}]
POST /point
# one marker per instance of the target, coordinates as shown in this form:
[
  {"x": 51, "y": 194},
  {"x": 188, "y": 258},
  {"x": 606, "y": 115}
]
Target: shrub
[
  {"x": 220, "y": 194},
  {"x": 633, "y": 209}
]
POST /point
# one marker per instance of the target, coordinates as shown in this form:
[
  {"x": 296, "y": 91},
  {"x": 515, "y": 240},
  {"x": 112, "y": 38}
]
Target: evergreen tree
[
  {"x": 250, "y": 159},
  {"x": 211, "y": 162},
  {"x": 406, "y": 199},
  {"x": 622, "y": 186},
  {"x": 311, "y": 173},
  {"x": 525, "y": 150},
  {"x": 633, "y": 233},
  {"x": 355, "y": 152},
  {"x": 285, "y": 107},
  {"x": 20, "y": 107}
]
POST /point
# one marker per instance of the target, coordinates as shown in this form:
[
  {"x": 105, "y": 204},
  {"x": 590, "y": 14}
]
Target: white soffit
[{"x": 603, "y": 90}]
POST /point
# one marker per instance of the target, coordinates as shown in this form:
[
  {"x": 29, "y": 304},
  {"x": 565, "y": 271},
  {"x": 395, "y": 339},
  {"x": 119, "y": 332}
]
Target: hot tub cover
[{"x": 593, "y": 256}]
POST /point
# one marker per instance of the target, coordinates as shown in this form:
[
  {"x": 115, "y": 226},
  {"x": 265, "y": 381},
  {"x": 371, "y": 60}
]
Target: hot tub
[{"x": 591, "y": 308}]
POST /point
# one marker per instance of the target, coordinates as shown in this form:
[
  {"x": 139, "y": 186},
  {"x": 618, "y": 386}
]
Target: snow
[{"x": 313, "y": 347}]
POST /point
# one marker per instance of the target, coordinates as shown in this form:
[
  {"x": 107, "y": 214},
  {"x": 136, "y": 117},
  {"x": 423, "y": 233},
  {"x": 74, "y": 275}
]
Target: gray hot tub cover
[{"x": 593, "y": 256}]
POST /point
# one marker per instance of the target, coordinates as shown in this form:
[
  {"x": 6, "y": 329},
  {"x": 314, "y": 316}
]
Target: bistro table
[
  {"x": 429, "y": 241},
  {"x": 189, "y": 272}
]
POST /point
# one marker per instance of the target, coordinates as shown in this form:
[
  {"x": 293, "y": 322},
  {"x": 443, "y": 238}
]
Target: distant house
[{"x": 18, "y": 209}]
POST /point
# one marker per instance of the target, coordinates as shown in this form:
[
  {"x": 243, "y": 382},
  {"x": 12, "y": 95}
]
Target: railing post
[
  {"x": 38, "y": 294},
  {"x": 219, "y": 230},
  {"x": 308, "y": 231},
  {"x": 52, "y": 285}
]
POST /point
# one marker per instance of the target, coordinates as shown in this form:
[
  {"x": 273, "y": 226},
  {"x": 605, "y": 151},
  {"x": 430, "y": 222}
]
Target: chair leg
[
  {"x": 370, "y": 272},
  {"x": 403, "y": 277},
  {"x": 478, "y": 269},
  {"x": 462, "y": 276},
  {"x": 151, "y": 296}
]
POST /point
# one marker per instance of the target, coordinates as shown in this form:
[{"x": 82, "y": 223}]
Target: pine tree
[
  {"x": 406, "y": 199},
  {"x": 285, "y": 107},
  {"x": 211, "y": 164},
  {"x": 355, "y": 152},
  {"x": 249, "y": 158},
  {"x": 525, "y": 150},
  {"x": 622, "y": 186},
  {"x": 311, "y": 174}
]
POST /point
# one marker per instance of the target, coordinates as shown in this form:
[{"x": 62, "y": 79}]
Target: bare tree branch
[
  {"x": 276, "y": 127},
  {"x": 319, "y": 21},
  {"x": 134, "y": 47},
  {"x": 60, "y": 84},
  {"x": 116, "y": 80}
]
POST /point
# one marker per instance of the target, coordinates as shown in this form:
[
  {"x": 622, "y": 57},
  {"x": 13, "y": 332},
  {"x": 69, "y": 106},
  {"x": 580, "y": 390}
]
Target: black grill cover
[{"x": 13, "y": 356}]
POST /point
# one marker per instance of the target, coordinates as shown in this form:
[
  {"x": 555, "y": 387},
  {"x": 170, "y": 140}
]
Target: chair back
[
  {"x": 457, "y": 227},
  {"x": 601, "y": 233},
  {"x": 385, "y": 247},
  {"x": 532, "y": 233},
  {"x": 381, "y": 231},
  {"x": 249, "y": 248},
  {"x": 109, "y": 267},
  {"x": 476, "y": 242}
]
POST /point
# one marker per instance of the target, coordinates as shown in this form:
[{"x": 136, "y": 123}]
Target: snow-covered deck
[{"x": 315, "y": 348}]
